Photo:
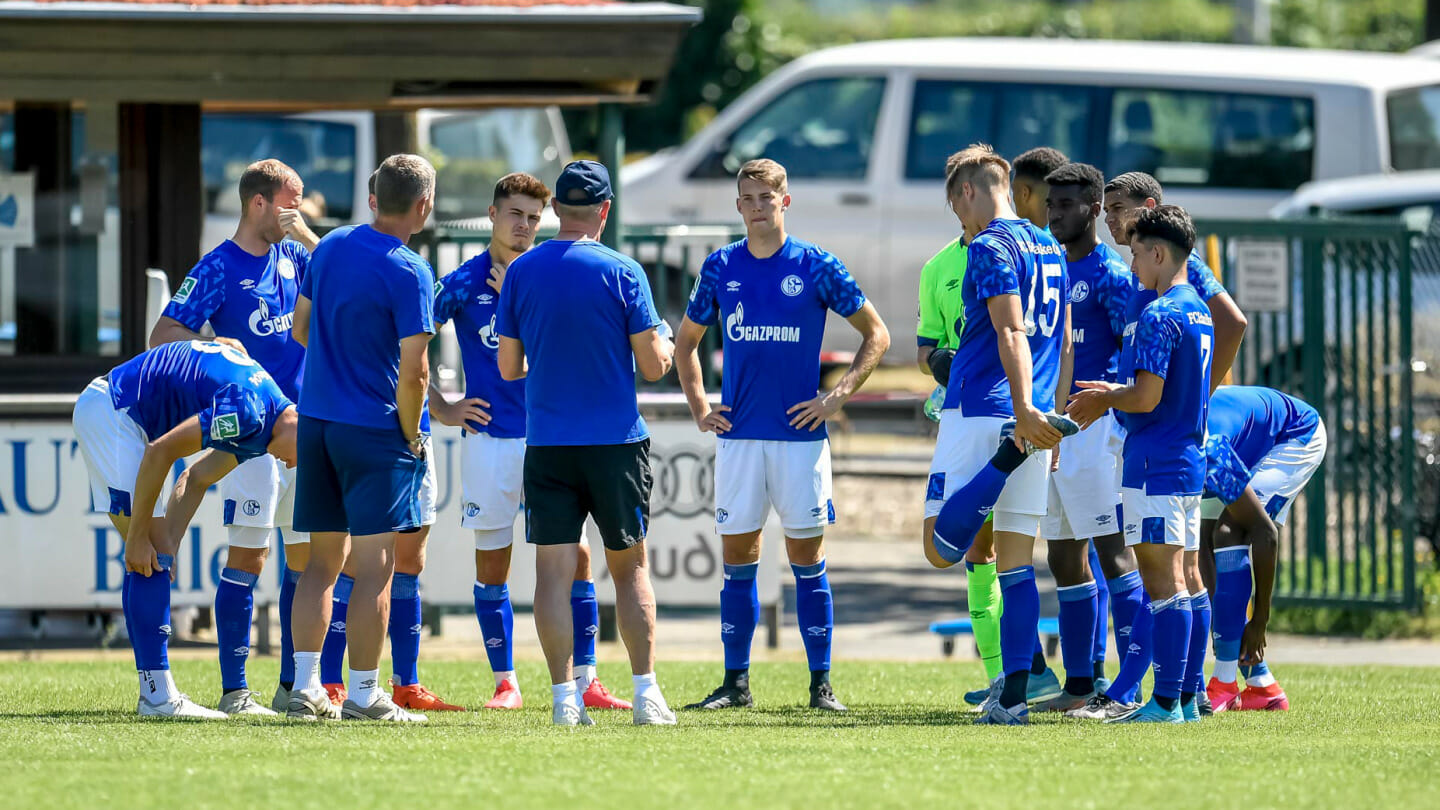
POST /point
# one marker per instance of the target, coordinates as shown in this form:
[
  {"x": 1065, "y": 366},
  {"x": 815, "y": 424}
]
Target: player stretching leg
[
  {"x": 492, "y": 452},
  {"x": 1263, "y": 448},
  {"x": 366, "y": 308},
  {"x": 1010, "y": 351},
  {"x": 1166, "y": 365},
  {"x": 246, "y": 289},
  {"x": 770, "y": 292},
  {"x": 1084, "y": 495},
  {"x": 1125, "y": 197},
  {"x": 133, "y": 425}
]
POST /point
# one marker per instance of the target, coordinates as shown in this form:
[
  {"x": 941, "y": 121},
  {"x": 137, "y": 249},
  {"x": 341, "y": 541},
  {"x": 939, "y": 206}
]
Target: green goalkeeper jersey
[{"x": 942, "y": 314}]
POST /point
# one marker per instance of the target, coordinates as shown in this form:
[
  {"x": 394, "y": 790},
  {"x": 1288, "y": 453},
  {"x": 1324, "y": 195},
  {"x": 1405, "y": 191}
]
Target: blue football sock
[
  {"x": 234, "y": 612},
  {"x": 815, "y": 612},
  {"x": 1077, "y": 631},
  {"x": 1232, "y": 600},
  {"x": 585, "y": 616},
  {"x": 1172, "y": 643},
  {"x": 497, "y": 625},
  {"x": 1019, "y": 632},
  {"x": 147, "y": 615},
  {"x": 1259, "y": 670},
  {"x": 332, "y": 654},
  {"x": 405, "y": 627},
  {"x": 740, "y": 613},
  {"x": 1138, "y": 653},
  {"x": 964, "y": 513},
  {"x": 1199, "y": 640},
  {"x": 1102, "y": 614},
  {"x": 287, "y": 635},
  {"x": 1126, "y": 599}
]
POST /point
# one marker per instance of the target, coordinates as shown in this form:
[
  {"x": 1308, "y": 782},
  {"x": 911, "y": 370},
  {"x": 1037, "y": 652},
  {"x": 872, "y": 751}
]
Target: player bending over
[
  {"x": 133, "y": 425},
  {"x": 1166, "y": 366},
  {"x": 1263, "y": 448},
  {"x": 771, "y": 291}
]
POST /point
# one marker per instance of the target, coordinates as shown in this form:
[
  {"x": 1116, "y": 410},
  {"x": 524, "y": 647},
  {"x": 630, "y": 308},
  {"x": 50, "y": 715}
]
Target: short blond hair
[
  {"x": 979, "y": 165},
  {"x": 765, "y": 171}
]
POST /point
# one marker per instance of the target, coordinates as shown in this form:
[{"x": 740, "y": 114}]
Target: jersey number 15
[{"x": 1047, "y": 300}]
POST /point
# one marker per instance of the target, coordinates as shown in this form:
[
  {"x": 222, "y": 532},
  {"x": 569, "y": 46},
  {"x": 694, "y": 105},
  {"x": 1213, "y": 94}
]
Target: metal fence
[{"x": 1332, "y": 311}]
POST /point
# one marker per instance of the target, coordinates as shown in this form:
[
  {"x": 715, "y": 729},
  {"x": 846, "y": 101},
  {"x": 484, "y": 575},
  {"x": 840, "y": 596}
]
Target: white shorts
[
  {"x": 492, "y": 474},
  {"x": 112, "y": 444},
  {"x": 752, "y": 475},
  {"x": 429, "y": 486},
  {"x": 260, "y": 493},
  {"x": 1085, "y": 491},
  {"x": 1172, "y": 520},
  {"x": 963, "y": 448},
  {"x": 1279, "y": 476}
]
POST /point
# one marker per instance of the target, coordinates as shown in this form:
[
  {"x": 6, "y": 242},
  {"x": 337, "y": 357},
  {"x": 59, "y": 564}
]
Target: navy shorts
[{"x": 360, "y": 480}]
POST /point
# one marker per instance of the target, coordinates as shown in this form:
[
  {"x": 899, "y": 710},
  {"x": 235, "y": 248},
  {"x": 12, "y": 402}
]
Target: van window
[
  {"x": 472, "y": 151},
  {"x": 1414, "y": 128},
  {"x": 1230, "y": 140},
  {"x": 947, "y": 116},
  {"x": 822, "y": 129},
  {"x": 323, "y": 152}
]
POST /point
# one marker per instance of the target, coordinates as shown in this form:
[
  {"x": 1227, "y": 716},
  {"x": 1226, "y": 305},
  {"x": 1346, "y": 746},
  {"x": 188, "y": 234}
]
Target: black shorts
[{"x": 609, "y": 482}]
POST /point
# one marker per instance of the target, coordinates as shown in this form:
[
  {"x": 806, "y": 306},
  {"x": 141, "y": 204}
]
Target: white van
[
  {"x": 334, "y": 152},
  {"x": 864, "y": 131}
]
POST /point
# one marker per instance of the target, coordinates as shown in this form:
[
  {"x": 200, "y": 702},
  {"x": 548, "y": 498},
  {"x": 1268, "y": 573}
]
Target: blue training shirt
[
  {"x": 1009, "y": 257},
  {"x": 251, "y": 299},
  {"x": 236, "y": 399},
  {"x": 367, "y": 292},
  {"x": 1164, "y": 449},
  {"x": 773, "y": 316},
  {"x": 574, "y": 306},
  {"x": 1100, "y": 286},
  {"x": 1246, "y": 422},
  {"x": 466, "y": 298}
]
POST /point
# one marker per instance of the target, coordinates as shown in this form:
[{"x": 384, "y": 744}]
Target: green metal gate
[{"x": 1331, "y": 308}]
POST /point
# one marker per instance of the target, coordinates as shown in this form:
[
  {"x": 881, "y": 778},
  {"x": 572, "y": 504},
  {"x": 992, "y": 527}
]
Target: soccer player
[
  {"x": 246, "y": 289},
  {"x": 1126, "y": 196},
  {"x": 1166, "y": 369},
  {"x": 582, "y": 315},
  {"x": 1262, "y": 449},
  {"x": 366, "y": 313},
  {"x": 1028, "y": 186},
  {"x": 492, "y": 452},
  {"x": 1005, "y": 375},
  {"x": 133, "y": 425},
  {"x": 1084, "y": 496},
  {"x": 771, "y": 292}
]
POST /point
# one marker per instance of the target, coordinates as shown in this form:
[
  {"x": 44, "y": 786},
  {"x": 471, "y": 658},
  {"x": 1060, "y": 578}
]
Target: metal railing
[{"x": 1332, "y": 310}]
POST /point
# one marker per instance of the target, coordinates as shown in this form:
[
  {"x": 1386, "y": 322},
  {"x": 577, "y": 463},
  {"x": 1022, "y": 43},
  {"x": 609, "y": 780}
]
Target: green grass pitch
[{"x": 1356, "y": 737}]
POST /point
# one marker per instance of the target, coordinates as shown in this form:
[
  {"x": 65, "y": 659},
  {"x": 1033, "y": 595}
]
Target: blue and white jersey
[
  {"x": 1164, "y": 449},
  {"x": 368, "y": 291},
  {"x": 1246, "y": 422},
  {"x": 251, "y": 299},
  {"x": 237, "y": 401},
  {"x": 467, "y": 299},
  {"x": 772, "y": 313},
  {"x": 1100, "y": 288},
  {"x": 1009, "y": 257},
  {"x": 1197, "y": 273}
]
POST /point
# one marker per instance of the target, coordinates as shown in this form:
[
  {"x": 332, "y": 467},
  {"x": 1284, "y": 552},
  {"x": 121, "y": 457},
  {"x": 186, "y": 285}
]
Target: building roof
[{"x": 1058, "y": 59}]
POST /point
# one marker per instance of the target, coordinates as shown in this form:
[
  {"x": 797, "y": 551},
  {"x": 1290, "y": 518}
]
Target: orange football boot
[
  {"x": 1223, "y": 696},
  {"x": 598, "y": 697},
  {"x": 337, "y": 693},
  {"x": 1264, "y": 698},
  {"x": 417, "y": 698},
  {"x": 507, "y": 696}
]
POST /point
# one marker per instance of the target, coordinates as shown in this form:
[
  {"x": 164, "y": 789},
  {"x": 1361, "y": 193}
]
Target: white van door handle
[{"x": 854, "y": 198}]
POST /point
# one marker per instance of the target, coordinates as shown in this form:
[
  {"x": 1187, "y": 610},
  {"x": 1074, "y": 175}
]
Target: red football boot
[
  {"x": 598, "y": 697},
  {"x": 337, "y": 693},
  {"x": 417, "y": 698},
  {"x": 1223, "y": 696},
  {"x": 507, "y": 696},
  {"x": 1264, "y": 698}
]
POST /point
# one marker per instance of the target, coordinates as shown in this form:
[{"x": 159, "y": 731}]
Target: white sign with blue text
[{"x": 17, "y": 209}]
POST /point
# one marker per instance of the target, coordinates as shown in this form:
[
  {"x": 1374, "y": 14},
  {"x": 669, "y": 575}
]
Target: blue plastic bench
[{"x": 947, "y": 630}]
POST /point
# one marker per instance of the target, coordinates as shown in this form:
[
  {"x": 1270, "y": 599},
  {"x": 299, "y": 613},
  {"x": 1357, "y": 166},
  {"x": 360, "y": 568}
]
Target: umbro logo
[
  {"x": 732, "y": 286},
  {"x": 590, "y": 630},
  {"x": 818, "y": 511},
  {"x": 165, "y": 630},
  {"x": 494, "y": 642},
  {"x": 1104, "y": 519},
  {"x": 484, "y": 298},
  {"x": 817, "y": 631},
  {"x": 337, "y": 627},
  {"x": 952, "y": 284},
  {"x": 726, "y": 628},
  {"x": 247, "y": 284},
  {"x": 368, "y": 683},
  {"x": 241, "y": 651},
  {"x": 416, "y": 628}
]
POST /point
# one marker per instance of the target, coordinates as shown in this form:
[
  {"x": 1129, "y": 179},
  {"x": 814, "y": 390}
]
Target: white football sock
[
  {"x": 157, "y": 686},
  {"x": 1226, "y": 671},
  {"x": 584, "y": 675},
  {"x": 364, "y": 687},
  {"x": 507, "y": 675},
  {"x": 1260, "y": 681},
  {"x": 647, "y": 688},
  {"x": 307, "y": 673}
]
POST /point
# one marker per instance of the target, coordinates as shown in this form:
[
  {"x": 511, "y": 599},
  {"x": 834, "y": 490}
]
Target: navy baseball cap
[{"x": 583, "y": 182}]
